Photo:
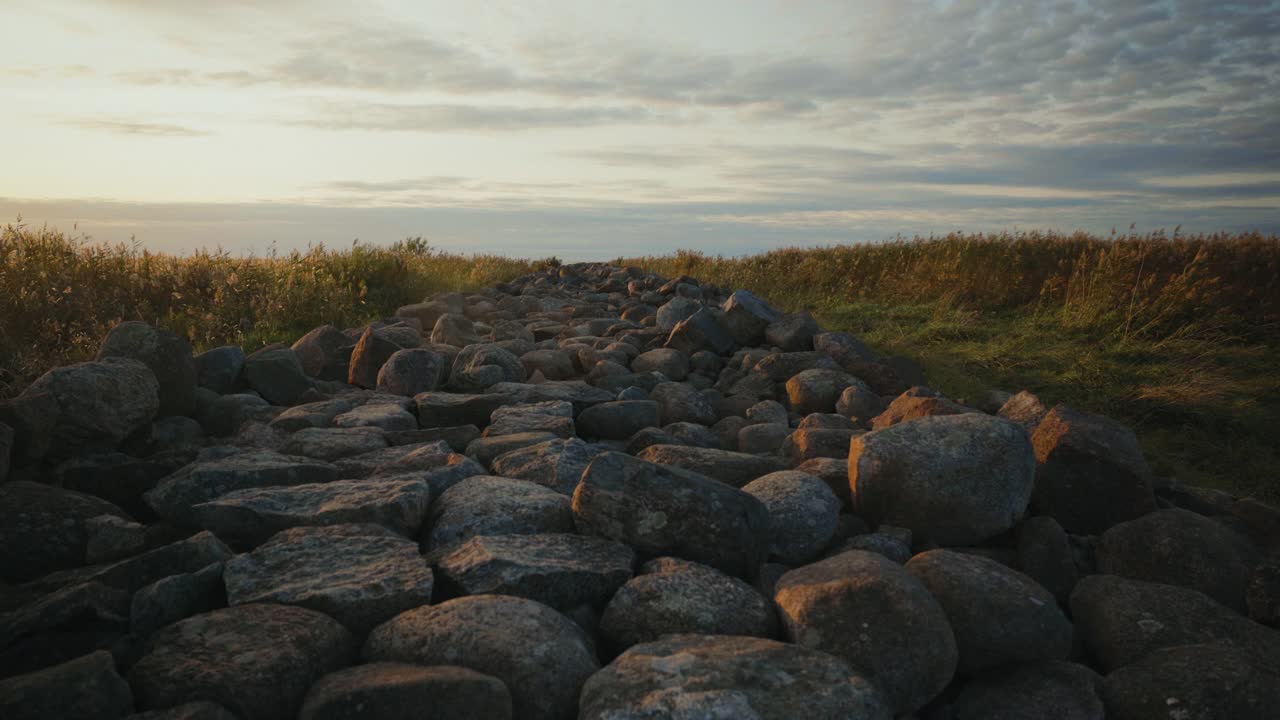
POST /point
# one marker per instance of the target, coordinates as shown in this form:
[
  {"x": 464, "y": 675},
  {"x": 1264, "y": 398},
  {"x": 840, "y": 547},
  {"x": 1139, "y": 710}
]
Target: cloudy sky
[{"x": 593, "y": 129}]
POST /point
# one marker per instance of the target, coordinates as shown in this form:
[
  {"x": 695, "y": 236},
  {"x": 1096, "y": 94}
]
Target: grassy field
[{"x": 1178, "y": 336}]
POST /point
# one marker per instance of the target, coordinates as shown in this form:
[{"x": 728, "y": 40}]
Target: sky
[{"x": 593, "y": 129}]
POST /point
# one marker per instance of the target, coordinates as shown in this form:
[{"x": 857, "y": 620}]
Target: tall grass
[{"x": 60, "y": 294}]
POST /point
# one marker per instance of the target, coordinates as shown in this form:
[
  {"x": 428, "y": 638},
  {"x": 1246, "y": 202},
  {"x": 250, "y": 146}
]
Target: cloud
[
  {"x": 126, "y": 127},
  {"x": 462, "y": 118}
]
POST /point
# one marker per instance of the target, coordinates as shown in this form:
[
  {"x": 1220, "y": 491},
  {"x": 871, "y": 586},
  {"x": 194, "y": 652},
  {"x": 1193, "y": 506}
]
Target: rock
[
  {"x": 661, "y": 510},
  {"x": 1090, "y": 472},
  {"x": 427, "y": 313},
  {"x": 858, "y": 401},
  {"x": 226, "y": 414},
  {"x": 1024, "y": 409},
  {"x": 60, "y": 626},
  {"x": 1193, "y": 681},
  {"x": 541, "y": 656},
  {"x": 360, "y": 575},
  {"x": 1179, "y": 547},
  {"x": 675, "y": 311},
  {"x": 277, "y": 375},
  {"x": 808, "y": 443},
  {"x": 334, "y": 443},
  {"x": 1027, "y": 692},
  {"x": 319, "y": 414},
  {"x": 554, "y": 416},
  {"x": 693, "y": 435},
  {"x": 553, "y": 364},
  {"x": 205, "y": 480},
  {"x": 411, "y": 371},
  {"x": 166, "y": 354},
  {"x": 746, "y": 317},
  {"x": 890, "y": 546},
  {"x": 256, "y": 660},
  {"x": 678, "y": 596},
  {"x": 371, "y": 352},
  {"x": 479, "y": 367},
  {"x": 711, "y": 676},
  {"x": 953, "y": 480},
  {"x": 913, "y": 407},
  {"x": 671, "y": 363},
  {"x": 391, "y": 418},
  {"x": 439, "y": 409},
  {"x": 1263, "y": 594},
  {"x": 393, "y": 691},
  {"x": 703, "y": 330},
  {"x": 555, "y": 464},
  {"x": 486, "y": 505},
  {"x": 325, "y": 353},
  {"x": 817, "y": 390},
  {"x": 998, "y": 616},
  {"x": 249, "y": 517},
  {"x": 617, "y": 420},
  {"x": 6, "y": 450},
  {"x": 133, "y": 573},
  {"x": 199, "y": 710},
  {"x": 1045, "y": 555},
  {"x": 731, "y": 468},
  {"x": 763, "y": 439},
  {"x": 577, "y": 392},
  {"x": 1122, "y": 620},
  {"x": 560, "y": 570},
  {"x": 111, "y": 537},
  {"x": 83, "y": 407},
  {"x": 793, "y": 332},
  {"x": 220, "y": 369},
  {"x": 826, "y": 421},
  {"x": 1260, "y": 520},
  {"x": 44, "y": 528},
  {"x": 486, "y": 449},
  {"x": 768, "y": 412},
  {"x": 87, "y": 687},
  {"x": 680, "y": 402},
  {"x": 454, "y": 329},
  {"x": 395, "y": 460},
  {"x": 802, "y": 514},
  {"x": 174, "y": 597},
  {"x": 872, "y": 613},
  {"x": 457, "y": 437}
]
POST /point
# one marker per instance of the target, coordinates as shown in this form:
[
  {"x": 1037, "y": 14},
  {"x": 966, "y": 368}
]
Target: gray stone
[
  {"x": 220, "y": 369},
  {"x": 555, "y": 464},
  {"x": 277, "y": 375},
  {"x": 541, "y": 656},
  {"x": 481, "y": 366},
  {"x": 816, "y": 442},
  {"x": 256, "y": 660},
  {"x": 325, "y": 353},
  {"x": 680, "y": 402},
  {"x": 486, "y": 449},
  {"x": 765, "y": 438},
  {"x": 454, "y": 329},
  {"x": 249, "y": 517},
  {"x": 1030, "y": 691},
  {"x": 747, "y": 317},
  {"x": 908, "y": 407},
  {"x": 86, "y": 605},
  {"x": 174, "y": 597},
  {"x": 360, "y": 575},
  {"x": 859, "y": 402},
  {"x": 6, "y": 450},
  {"x": 166, "y": 354},
  {"x": 953, "y": 480},
  {"x": 439, "y": 409},
  {"x": 411, "y": 371},
  {"x": 871, "y": 612},
  {"x": 486, "y": 505},
  {"x": 398, "y": 460},
  {"x": 457, "y": 437},
  {"x": 553, "y": 416},
  {"x": 661, "y": 510},
  {"x": 45, "y": 528},
  {"x": 802, "y": 514},
  {"x": 715, "y": 676},
  {"x": 817, "y": 390},
  {"x": 732, "y": 468},
  {"x": 675, "y": 311},
  {"x": 390, "y": 418},
  {"x": 1024, "y": 409},
  {"x": 87, "y": 687},
  {"x": 1090, "y": 472},
  {"x": 678, "y": 596},
  {"x": 1263, "y": 594},
  {"x": 553, "y": 364},
  {"x": 1209, "y": 682},
  {"x": 1045, "y": 555},
  {"x": 198, "y": 710},
  {"x": 205, "y": 480},
  {"x": 334, "y": 443},
  {"x": 890, "y": 546},
  {"x": 999, "y": 616},
  {"x": 225, "y": 415},
  {"x": 371, "y": 352},
  {"x": 397, "y": 691},
  {"x": 617, "y": 420},
  {"x": 793, "y": 332},
  {"x": 703, "y": 330},
  {"x": 671, "y": 363},
  {"x": 111, "y": 537},
  {"x": 561, "y": 570},
  {"x": 577, "y": 392}
]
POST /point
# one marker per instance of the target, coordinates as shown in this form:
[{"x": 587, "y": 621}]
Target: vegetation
[
  {"x": 1177, "y": 336},
  {"x": 59, "y": 295}
]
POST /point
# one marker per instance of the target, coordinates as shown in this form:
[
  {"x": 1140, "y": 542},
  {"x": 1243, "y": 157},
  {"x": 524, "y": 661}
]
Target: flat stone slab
[{"x": 202, "y": 481}]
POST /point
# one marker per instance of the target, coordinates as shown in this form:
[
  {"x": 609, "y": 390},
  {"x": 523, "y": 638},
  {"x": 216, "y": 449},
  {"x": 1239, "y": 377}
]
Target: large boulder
[
  {"x": 671, "y": 363},
  {"x": 661, "y": 510},
  {"x": 333, "y": 443},
  {"x": 371, "y": 352},
  {"x": 83, "y": 407},
  {"x": 872, "y": 613},
  {"x": 1030, "y": 691},
  {"x": 1046, "y": 556},
  {"x": 478, "y": 367},
  {"x": 394, "y": 691},
  {"x": 617, "y": 420},
  {"x": 360, "y": 575},
  {"x": 817, "y": 390},
  {"x": 541, "y": 655},
  {"x": 747, "y": 316},
  {"x": 681, "y": 402},
  {"x": 555, "y": 464},
  {"x": 952, "y": 480},
  {"x": 1209, "y": 682},
  {"x": 731, "y": 468},
  {"x": 325, "y": 353},
  {"x": 716, "y": 676},
  {"x": 168, "y": 356},
  {"x": 487, "y": 505},
  {"x": 677, "y": 596},
  {"x": 442, "y": 409},
  {"x": 1090, "y": 471},
  {"x": 220, "y": 369},
  {"x": 411, "y": 371},
  {"x": 277, "y": 375},
  {"x": 86, "y": 688},
  {"x": 802, "y": 513},
  {"x": 562, "y": 570},
  {"x": 1179, "y": 547},
  {"x": 999, "y": 616},
  {"x": 256, "y": 660},
  {"x": 703, "y": 330},
  {"x": 175, "y": 497},
  {"x": 45, "y": 528}
]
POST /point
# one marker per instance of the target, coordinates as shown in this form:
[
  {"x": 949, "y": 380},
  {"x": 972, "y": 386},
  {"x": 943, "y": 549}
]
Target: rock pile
[{"x": 598, "y": 493}]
